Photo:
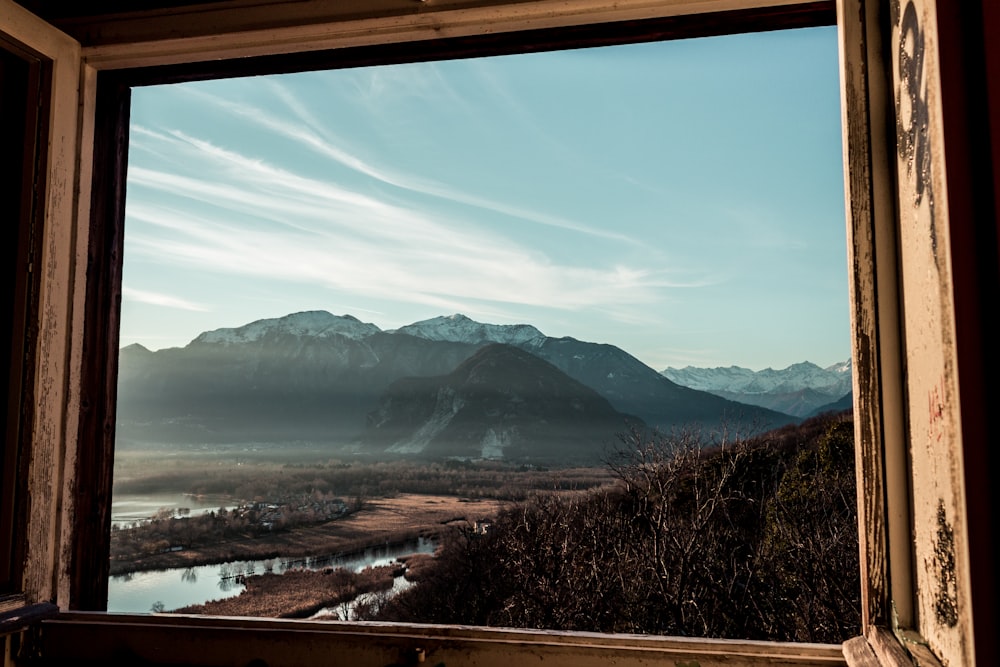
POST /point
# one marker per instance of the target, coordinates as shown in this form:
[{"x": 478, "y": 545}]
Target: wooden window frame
[
  {"x": 71, "y": 451},
  {"x": 118, "y": 75},
  {"x": 45, "y": 294},
  {"x": 24, "y": 158}
]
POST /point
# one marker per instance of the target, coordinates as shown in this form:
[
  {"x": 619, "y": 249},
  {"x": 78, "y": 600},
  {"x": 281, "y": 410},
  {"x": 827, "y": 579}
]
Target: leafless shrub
[{"x": 723, "y": 536}]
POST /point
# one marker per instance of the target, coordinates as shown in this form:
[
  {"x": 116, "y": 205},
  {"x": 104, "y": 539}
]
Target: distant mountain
[
  {"x": 317, "y": 377},
  {"x": 308, "y": 376},
  {"x": 845, "y": 402},
  {"x": 633, "y": 387},
  {"x": 314, "y": 324},
  {"x": 502, "y": 402},
  {"x": 798, "y": 390},
  {"x": 461, "y": 329},
  {"x": 628, "y": 384}
]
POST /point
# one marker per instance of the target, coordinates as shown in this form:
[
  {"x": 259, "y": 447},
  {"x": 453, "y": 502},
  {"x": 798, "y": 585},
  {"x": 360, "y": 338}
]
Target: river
[
  {"x": 179, "y": 587},
  {"x": 345, "y": 611},
  {"x": 127, "y": 509}
]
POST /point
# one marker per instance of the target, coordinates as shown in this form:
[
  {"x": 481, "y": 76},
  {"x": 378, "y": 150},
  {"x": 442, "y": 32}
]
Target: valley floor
[
  {"x": 300, "y": 593},
  {"x": 380, "y": 521}
]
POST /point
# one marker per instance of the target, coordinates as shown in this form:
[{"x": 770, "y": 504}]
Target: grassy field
[
  {"x": 265, "y": 476},
  {"x": 299, "y": 593},
  {"x": 390, "y": 502},
  {"x": 380, "y": 521}
]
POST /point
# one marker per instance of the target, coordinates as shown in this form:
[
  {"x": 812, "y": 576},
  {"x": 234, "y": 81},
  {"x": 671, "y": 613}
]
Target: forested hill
[{"x": 754, "y": 539}]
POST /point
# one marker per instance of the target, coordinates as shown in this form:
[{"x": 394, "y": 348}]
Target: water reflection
[
  {"x": 365, "y": 605},
  {"x": 182, "y": 587}
]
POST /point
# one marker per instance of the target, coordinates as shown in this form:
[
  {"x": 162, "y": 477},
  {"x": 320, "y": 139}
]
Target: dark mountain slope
[
  {"x": 633, "y": 387},
  {"x": 284, "y": 385},
  {"x": 313, "y": 377},
  {"x": 501, "y": 402}
]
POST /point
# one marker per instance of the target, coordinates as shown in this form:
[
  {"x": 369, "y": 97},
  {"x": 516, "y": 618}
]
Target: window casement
[
  {"x": 24, "y": 75},
  {"x": 915, "y": 97},
  {"x": 41, "y": 137}
]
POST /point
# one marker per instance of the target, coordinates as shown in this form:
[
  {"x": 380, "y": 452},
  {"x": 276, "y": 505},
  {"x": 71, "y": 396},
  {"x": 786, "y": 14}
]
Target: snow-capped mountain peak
[
  {"x": 800, "y": 389},
  {"x": 318, "y": 323},
  {"x": 844, "y": 367},
  {"x": 458, "y": 328},
  {"x": 803, "y": 375}
]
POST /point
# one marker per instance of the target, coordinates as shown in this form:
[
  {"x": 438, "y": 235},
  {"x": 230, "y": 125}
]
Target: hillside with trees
[{"x": 751, "y": 538}]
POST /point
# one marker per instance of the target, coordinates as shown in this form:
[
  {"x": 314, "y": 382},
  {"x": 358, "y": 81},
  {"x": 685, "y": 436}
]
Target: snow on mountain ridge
[
  {"x": 318, "y": 323},
  {"x": 842, "y": 367},
  {"x": 804, "y": 375},
  {"x": 461, "y": 329}
]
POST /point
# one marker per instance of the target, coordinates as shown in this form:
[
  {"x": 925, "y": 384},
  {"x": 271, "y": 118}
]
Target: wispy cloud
[
  {"x": 312, "y": 140},
  {"x": 439, "y": 277},
  {"x": 754, "y": 225},
  {"x": 241, "y": 215},
  {"x": 165, "y": 300},
  {"x": 484, "y": 271},
  {"x": 380, "y": 90}
]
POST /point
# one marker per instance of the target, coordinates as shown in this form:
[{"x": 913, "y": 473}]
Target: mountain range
[
  {"x": 802, "y": 389},
  {"x": 443, "y": 387}
]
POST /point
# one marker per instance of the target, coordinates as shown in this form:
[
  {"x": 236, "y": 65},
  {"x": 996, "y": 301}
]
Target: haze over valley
[{"x": 447, "y": 387}]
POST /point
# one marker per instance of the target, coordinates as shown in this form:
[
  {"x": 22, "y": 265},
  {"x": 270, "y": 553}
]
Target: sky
[{"x": 681, "y": 200}]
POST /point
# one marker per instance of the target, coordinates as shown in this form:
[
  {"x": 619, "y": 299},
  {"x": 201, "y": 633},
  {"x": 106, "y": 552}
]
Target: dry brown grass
[
  {"x": 381, "y": 521},
  {"x": 299, "y": 593},
  {"x": 417, "y": 565}
]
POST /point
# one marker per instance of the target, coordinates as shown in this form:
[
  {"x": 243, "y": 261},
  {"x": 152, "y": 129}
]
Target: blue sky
[{"x": 681, "y": 200}]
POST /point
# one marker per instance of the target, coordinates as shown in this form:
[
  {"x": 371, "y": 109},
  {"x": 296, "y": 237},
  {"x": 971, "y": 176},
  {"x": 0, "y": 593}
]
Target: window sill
[
  {"x": 20, "y": 617},
  {"x": 96, "y": 638},
  {"x": 881, "y": 648}
]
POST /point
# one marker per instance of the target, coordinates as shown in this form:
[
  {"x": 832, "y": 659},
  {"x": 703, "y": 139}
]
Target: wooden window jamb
[
  {"x": 25, "y": 125},
  {"x": 882, "y": 473}
]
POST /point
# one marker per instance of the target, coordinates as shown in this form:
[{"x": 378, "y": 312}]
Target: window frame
[
  {"x": 26, "y": 158},
  {"x": 72, "y": 443},
  {"x": 46, "y": 397},
  {"x": 110, "y": 163}
]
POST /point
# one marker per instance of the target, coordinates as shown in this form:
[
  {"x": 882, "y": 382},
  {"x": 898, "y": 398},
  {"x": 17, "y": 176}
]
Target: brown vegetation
[
  {"x": 265, "y": 480},
  {"x": 418, "y": 566},
  {"x": 299, "y": 593},
  {"x": 750, "y": 538},
  {"x": 753, "y": 539},
  {"x": 380, "y": 521}
]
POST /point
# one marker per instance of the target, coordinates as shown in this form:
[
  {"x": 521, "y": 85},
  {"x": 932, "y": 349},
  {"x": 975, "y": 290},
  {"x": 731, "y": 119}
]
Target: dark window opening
[{"x": 23, "y": 114}]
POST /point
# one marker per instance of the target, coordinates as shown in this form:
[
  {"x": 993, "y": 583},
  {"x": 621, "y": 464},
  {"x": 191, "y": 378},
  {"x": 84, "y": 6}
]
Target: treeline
[
  {"x": 480, "y": 479},
  {"x": 165, "y": 532},
  {"x": 754, "y": 538}
]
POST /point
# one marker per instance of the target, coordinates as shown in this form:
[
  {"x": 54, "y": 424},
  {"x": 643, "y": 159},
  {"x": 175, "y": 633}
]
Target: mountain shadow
[
  {"x": 314, "y": 378},
  {"x": 633, "y": 387},
  {"x": 502, "y": 402},
  {"x": 285, "y": 386}
]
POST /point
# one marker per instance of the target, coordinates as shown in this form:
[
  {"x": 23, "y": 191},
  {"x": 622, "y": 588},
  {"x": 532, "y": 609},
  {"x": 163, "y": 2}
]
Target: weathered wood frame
[
  {"x": 925, "y": 219},
  {"x": 26, "y": 155},
  {"x": 72, "y": 446},
  {"x": 53, "y": 402}
]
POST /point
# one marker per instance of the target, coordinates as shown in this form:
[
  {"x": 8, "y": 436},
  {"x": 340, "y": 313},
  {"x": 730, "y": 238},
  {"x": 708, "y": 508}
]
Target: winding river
[{"x": 179, "y": 587}]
